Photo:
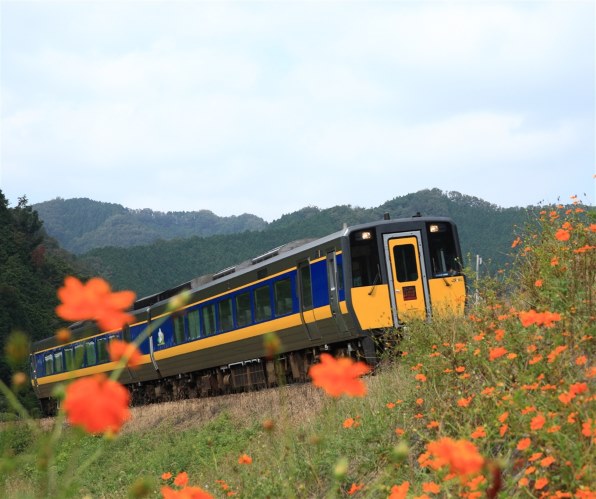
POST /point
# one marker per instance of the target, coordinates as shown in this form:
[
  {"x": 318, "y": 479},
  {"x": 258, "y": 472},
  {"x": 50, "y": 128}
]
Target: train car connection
[{"x": 330, "y": 294}]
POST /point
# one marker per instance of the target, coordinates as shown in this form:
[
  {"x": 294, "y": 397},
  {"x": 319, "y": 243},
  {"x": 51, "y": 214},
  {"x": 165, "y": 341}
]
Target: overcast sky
[{"x": 268, "y": 107}]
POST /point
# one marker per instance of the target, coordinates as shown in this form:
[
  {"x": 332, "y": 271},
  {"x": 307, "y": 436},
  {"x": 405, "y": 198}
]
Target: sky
[{"x": 271, "y": 106}]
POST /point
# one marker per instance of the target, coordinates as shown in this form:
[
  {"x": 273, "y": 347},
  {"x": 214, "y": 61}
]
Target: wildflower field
[{"x": 499, "y": 403}]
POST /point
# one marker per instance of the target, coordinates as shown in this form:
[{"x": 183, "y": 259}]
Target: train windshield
[{"x": 444, "y": 257}]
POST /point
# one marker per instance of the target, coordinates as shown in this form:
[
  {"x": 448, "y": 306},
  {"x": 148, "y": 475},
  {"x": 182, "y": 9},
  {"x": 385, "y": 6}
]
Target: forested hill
[
  {"x": 485, "y": 229},
  {"x": 82, "y": 224},
  {"x": 32, "y": 267}
]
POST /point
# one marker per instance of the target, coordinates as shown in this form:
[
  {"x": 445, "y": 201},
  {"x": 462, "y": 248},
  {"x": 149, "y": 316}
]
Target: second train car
[{"x": 330, "y": 294}]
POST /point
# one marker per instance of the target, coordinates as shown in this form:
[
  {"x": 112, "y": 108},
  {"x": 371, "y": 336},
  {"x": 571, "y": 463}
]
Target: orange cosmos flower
[
  {"x": 97, "y": 403},
  {"x": 431, "y": 487},
  {"x": 464, "y": 402},
  {"x": 461, "y": 456},
  {"x": 562, "y": 235},
  {"x": 495, "y": 353},
  {"x": 503, "y": 429},
  {"x": 122, "y": 350},
  {"x": 355, "y": 488},
  {"x": 181, "y": 479},
  {"x": 63, "y": 336},
  {"x": 348, "y": 423},
  {"x": 547, "y": 461},
  {"x": 420, "y": 377},
  {"x": 166, "y": 476},
  {"x": 524, "y": 443},
  {"x": 554, "y": 261},
  {"x": 478, "y": 432},
  {"x": 399, "y": 491},
  {"x": 245, "y": 459},
  {"x": 541, "y": 483},
  {"x": 537, "y": 422},
  {"x": 580, "y": 361},
  {"x": 339, "y": 376},
  {"x": 94, "y": 301},
  {"x": 516, "y": 242}
]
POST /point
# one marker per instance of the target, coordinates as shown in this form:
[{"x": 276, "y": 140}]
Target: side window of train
[
  {"x": 405, "y": 261},
  {"x": 79, "y": 355},
  {"x": 58, "y": 362},
  {"x": 305, "y": 286},
  {"x": 209, "y": 319},
  {"x": 69, "y": 359},
  {"x": 90, "y": 353},
  {"x": 226, "y": 318},
  {"x": 262, "y": 303},
  {"x": 179, "y": 336},
  {"x": 102, "y": 350},
  {"x": 243, "y": 315},
  {"x": 194, "y": 330},
  {"x": 283, "y": 297},
  {"x": 49, "y": 364},
  {"x": 126, "y": 333}
]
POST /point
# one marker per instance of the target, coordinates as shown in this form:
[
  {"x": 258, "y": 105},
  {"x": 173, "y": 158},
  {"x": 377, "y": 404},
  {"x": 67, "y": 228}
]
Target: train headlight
[
  {"x": 434, "y": 228},
  {"x": 365, "y": 235}
]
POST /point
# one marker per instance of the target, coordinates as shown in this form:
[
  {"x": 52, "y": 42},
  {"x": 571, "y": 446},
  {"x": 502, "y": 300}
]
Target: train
[{"x": 333, "y": 294}]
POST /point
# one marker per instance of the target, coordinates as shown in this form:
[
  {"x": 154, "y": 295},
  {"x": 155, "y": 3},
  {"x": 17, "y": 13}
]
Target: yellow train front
[{"x": 330, "y": 294}]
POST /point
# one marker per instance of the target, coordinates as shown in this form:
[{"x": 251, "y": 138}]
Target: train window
[
  {"x": 226, "y": 318},
  {"x": 364, "y": 262},
  {"x": 79, "y": 355},
  {"x": 283, "y": 297},
  {"x": 443, "y": 255},
  {"x": 305, "y": 286},
  {"x": 243, "y": 316},
  {"x": 193, "y": 324},
  {"x": 178, "y": 329},
  {"x": 126, "y": 333},
  {"x": 90, "y": 351},
  {"x": 69, "y": 359},
  {"x": 405, "y": 261},
  {"x": 102, "y": 350},
  {"x": 49, "y": 364},
  {"x": 209, "y": 319},
  {"x": 262, "y": 304},
  {"x": 58, "y": 362}
]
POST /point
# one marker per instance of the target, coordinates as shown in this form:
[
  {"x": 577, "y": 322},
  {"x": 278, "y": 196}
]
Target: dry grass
[{"x": 279, "y": 404}]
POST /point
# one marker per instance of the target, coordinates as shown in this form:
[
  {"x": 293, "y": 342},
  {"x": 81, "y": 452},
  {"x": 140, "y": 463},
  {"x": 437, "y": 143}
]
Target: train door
[
  {"x": 407, "y": 276},
  {"x": 307, "y": 314},
  {"x": 333, "y": 281}
]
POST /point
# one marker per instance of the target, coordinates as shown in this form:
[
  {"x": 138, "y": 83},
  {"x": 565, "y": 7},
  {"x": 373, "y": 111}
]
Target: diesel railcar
[{"x": 330, "y": 294}]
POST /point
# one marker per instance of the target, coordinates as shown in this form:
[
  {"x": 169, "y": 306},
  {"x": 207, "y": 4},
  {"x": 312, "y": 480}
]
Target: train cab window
[
  {"x": 178, "y": 329},
  {"x": 49, "y": 364},
  {"x": 209, "y": 319},
  {"x": 305, "y": 286},
  {"x": 405, "y": 261},
  {"x": 102, "y": 350},
  {"x": 90, "y": 353},
  {"x": 283, "y": 297},
  {"x": 58, "y": 362},
  {"x": 364, "y": 263},
  {"x": 441, "y": 247},
  {"x": 193, "y": 324},
  {"x": 262, "y": 304},
  {"x": 243, "y": 316},
  {"x": 226, "y": 318}
]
